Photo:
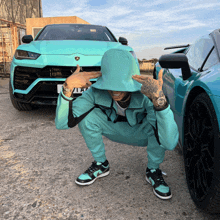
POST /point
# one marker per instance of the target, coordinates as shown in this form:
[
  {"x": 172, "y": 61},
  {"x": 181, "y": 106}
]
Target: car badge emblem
[{"x": 77, "y": 58}]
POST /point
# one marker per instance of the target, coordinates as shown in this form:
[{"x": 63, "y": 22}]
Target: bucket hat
[{"x": 117, "y": 67}]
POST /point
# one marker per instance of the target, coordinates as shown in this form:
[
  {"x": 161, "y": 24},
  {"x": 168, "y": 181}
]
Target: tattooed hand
[{"x": 150, "y": 87}]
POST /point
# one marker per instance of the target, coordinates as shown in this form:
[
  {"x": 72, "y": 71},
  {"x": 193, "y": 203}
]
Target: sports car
[
  {"x": 191, "y": 83},
  {"x": 40, "y": 66}
]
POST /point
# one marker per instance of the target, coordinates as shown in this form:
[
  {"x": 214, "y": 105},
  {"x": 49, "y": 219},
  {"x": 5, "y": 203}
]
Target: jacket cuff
[
  {"x": 163, "y": 112},
  {"x": 65, "y": 97},
  {"x": 159, "y": 109}
]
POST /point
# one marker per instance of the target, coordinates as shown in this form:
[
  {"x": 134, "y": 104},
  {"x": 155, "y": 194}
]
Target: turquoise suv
[{"x": 40, "y": 66}]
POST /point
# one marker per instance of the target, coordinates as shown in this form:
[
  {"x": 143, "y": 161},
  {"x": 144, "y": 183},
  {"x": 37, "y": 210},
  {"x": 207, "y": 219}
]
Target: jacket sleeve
[
  {"x": 165, "y": 127},
  {"x": 70, "y": 111}
]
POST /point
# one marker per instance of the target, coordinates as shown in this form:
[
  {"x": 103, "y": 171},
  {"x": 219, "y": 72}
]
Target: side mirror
[
  {"x": 123, "y": 41},
  {"x": 27, "y": 39},
  {"x": 176, "y": 61}
]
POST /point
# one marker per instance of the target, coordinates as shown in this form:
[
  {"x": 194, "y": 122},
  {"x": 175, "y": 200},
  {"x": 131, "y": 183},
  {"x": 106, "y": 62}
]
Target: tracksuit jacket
[{"x": 96, "y": 114}]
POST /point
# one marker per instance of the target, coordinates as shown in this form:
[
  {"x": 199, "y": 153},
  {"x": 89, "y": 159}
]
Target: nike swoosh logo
[{"x": 97, "y": 173}]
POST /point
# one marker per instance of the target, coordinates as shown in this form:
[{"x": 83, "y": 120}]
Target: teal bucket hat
[{"x": 117, "y": 67}]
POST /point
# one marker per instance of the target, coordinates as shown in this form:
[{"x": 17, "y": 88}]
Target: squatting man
[{"x": 123, "y": 106}]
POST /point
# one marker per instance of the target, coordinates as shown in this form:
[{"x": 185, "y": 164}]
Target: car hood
[{"x": 71, "y": 47}]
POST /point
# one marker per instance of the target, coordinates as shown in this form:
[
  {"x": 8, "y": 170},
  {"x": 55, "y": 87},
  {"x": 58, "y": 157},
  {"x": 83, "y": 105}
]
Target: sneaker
[
  {"x": 95, "y": 171},
  {"x": 160, "y": 188}
]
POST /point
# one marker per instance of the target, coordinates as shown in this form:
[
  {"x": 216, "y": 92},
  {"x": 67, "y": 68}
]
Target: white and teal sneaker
[
  {"x": 160, "y": 188},
  {"x": 95, "y": 171}
]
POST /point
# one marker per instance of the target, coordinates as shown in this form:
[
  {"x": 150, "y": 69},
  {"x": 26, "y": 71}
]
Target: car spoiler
[{"x": 173, "y": 47}]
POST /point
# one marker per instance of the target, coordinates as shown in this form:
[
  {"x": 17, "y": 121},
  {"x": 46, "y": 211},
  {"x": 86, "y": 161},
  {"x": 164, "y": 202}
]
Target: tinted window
[
  {"x": 212, "y": 60},
  {"x": 198, "y": 52},
  {"x": 75, "y": 32}
]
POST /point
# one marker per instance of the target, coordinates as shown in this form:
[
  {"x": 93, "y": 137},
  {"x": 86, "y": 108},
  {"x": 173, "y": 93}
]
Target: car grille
[
  {"x": 24, "y": 76},
  {"x": 43, "y": 93}
]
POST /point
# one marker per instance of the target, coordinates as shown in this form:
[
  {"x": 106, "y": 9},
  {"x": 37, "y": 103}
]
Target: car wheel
[
  {"x": 202, "y": 154},
  {"x": 18, "y": 105}
]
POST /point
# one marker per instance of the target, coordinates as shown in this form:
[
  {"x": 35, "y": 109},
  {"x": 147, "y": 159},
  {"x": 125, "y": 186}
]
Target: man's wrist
[
  {"x": 67, "y": 94},
  {"x": 162, "y": 107},
  {"x": 67, "y": 87},
  {"x": 160, "y": 103},
  {"x": 66, "y": 90}
]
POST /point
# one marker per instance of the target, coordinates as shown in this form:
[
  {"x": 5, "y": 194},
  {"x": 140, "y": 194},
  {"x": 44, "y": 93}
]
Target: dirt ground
[{"x": 39, "y": 164}]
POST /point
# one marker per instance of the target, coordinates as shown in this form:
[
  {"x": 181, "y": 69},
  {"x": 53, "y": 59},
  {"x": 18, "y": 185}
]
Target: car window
[
  {"x": 75, "y": 32},
  {"x": 198, "y": 51},
  {"x": 212, "y": 60}
]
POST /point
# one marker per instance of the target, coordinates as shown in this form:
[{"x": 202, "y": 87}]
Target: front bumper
[
  {"x": 39, "y": 85},
  {"x": 43, "y": 93}
]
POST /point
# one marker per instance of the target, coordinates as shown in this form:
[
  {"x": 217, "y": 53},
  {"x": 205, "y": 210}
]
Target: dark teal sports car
[{"x": 192, "y": 86}]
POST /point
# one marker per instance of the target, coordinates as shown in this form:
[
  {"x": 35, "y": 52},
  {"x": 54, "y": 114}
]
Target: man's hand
[
  {"x": 80, "y": 79},
  {"x": 150, "y": 87}
]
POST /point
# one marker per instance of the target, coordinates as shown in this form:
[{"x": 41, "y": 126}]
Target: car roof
[
  {"x": 216, "y": 36},
  {"x": 79, "y": 25}
]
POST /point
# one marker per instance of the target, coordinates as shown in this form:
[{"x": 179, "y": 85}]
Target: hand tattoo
[{"x": 149, "y": 89}]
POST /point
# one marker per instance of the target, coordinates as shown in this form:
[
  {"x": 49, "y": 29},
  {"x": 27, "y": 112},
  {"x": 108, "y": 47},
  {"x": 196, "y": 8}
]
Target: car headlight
[
  {"x": 133, "y": 54},
  {"x": 22, "y": 54}
]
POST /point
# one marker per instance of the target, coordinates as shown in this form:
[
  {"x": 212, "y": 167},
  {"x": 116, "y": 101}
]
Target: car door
[
  {"x": 176, "y": 87},
  {"x": 172, "y": 78}
]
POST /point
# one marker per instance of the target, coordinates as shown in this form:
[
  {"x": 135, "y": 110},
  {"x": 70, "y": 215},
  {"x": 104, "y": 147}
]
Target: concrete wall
[{"x": 32, "y": 23}]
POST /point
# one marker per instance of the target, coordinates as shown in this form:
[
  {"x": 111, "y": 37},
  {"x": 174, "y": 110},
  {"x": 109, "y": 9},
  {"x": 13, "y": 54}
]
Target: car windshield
[{"x": 75, "y": 32}]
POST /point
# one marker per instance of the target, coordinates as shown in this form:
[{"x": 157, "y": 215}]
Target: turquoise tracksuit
[{"x": 95, "y": 112}]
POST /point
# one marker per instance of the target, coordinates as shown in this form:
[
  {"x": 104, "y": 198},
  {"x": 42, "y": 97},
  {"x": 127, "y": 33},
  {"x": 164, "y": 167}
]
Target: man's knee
[{"x": 170, "y": 146}]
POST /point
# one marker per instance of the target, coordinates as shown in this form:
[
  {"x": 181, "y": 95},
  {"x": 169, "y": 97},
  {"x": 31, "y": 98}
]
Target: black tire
[
  {"x": 18, "y": 105},
  {"x": 202, "y": 154}
]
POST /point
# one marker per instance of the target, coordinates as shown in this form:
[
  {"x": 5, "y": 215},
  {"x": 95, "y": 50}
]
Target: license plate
[
  {"x": 76, "y": 90},
  {"x": 59, "y": 87},
  {"x": 79, "y": 90}
]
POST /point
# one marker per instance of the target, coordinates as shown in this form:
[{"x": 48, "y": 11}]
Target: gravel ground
[{"x": 39, "y": 164}]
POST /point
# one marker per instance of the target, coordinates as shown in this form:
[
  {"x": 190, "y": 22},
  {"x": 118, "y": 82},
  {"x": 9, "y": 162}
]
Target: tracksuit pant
[{"x": 95, "y": 125}]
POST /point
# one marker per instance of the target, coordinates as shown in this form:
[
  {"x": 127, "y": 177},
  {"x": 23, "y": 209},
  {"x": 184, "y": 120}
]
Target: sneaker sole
[
  {"x": 91, "y": 182},
  {"x": 159, "y": 196}
]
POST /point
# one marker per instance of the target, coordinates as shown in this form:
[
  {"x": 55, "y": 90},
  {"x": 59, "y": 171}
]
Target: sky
[{"x": 148, "y": 25}]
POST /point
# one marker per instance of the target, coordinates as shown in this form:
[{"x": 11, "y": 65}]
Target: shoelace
[
  {"x": 159, "y": 178},
  {"x": 92, "y": 168}
]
